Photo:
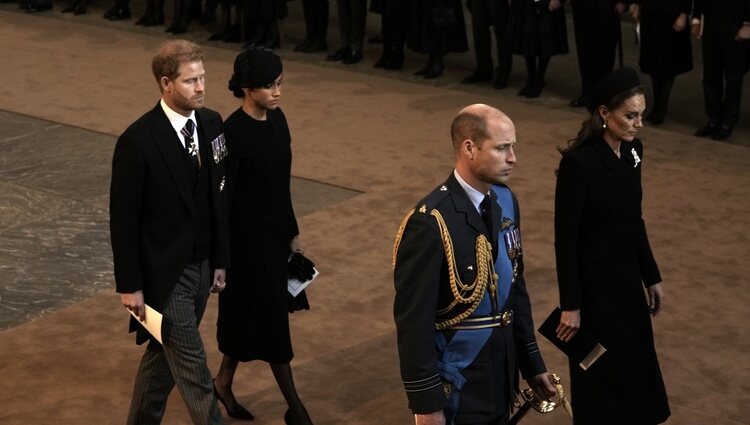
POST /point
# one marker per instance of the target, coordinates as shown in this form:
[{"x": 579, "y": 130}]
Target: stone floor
[{"x": 54, "y": 237}]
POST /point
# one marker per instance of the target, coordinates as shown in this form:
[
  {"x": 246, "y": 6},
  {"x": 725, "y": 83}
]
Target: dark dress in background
[
  {"x": 427, "y": 37},
  {"x": 262, "y": 21},
  {"x": 603, "y": 262},
  {"x": 664, "y": 52},
  {"x": 537, "y": 34},
  {"x": 254, "y": 308}
]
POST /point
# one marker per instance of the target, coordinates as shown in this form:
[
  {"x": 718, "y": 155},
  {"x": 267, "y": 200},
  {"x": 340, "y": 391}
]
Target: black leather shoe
[
  {"x": 354, "y": 57},
  {"x": 316, "y": 46},
  {"x": 525, "y": 89},
  {"x": 535, "y": 89},
  {"x": 499, "y": 82},
  {"x": 117, "y": 14},
  {"x": 153, "y": 21},
  {"x": 338, "y": 55},
  {"x": 38, "y": 7},
  {"x": 433, "y": 72},
  {"x": 235, "y": 410},
  {"x": 477, "y": 77},
  {"x": 707, "y": 130},
  {"x": 722, "y": 133},
  {"x": 423, "y": 70},
  {"x": 176, "y": 29},
  {"x": 396, "y": 61},
  {"x": 303, "y": 45}
]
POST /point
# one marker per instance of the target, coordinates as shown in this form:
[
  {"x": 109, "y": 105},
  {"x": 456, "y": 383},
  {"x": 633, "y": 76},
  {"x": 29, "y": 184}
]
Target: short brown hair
[
  {"x": 469, "y": 125},
  {"x": 171, "y": 55}
]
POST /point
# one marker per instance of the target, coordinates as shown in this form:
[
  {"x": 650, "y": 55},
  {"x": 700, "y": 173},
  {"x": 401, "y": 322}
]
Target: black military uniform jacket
[{"x": 422, "y": 284}]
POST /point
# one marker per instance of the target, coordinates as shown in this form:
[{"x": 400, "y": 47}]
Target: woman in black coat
[
  {"x": 538, "y": 32},
  {"x": 665, "y": 47},
  {"x": 253, "y": 319},
  {"x": 604, "y": 261}
]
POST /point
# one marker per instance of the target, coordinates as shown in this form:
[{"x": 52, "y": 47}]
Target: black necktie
[
  {"x": 190, "y": 145},
  {"x": 485, "y": 208}
]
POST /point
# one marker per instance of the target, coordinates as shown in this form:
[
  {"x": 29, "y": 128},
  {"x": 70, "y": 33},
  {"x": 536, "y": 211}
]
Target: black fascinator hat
[
  {"x": 617, "y": 82},
  {"x": 254, "y": 67}
]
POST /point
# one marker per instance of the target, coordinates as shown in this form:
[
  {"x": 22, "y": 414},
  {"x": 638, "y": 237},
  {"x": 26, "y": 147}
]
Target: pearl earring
[{"x": 604, "y": 125}]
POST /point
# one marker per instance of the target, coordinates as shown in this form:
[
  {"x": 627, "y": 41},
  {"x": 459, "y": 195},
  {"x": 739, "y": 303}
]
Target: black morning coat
[
  {"x": 603, "y": 262},
  {"x": 153, "y": 217},
  {"x": 422, "y": 287}
]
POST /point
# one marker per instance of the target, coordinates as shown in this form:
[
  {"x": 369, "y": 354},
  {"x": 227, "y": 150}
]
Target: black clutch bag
[
  {"x": 582, "y": 349},
  {"x": 301, "y": 268}
]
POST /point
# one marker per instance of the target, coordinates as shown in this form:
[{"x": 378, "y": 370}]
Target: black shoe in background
[
  {"x": 477, "y": 77},
  {"x": 707, "y": 130},
  {"x": 338, "y": 55},
  {"x": 353, "y": 57},
  {"x": 722, "y": 133}
]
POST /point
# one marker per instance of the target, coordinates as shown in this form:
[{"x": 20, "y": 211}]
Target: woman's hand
[
  {"x": 680, "y": 23},
  {"x": 635, "y": 12},
  {"x": 570, "y": 322},
  {"x": 743, "y": 33},
  {"x": 554, "y": 5},
  {"x": 295, "y": 246},
  {"x": 655, "y": 295}
]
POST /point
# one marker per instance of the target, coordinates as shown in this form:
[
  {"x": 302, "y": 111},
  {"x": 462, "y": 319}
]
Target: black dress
[
  {"x": 664, "y": 52},
  {"x": 603, "y": 262},
  {"x": 537, "y": 34},
  {"x": 430, "y": 29},
  {"x": 253, "y": 308}
]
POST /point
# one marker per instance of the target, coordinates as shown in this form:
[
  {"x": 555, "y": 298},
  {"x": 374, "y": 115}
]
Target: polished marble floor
[{"x": 54, "y": 235}]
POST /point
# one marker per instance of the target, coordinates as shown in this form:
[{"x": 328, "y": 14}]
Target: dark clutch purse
[
  {"x": 301, "y": 268},
  {"x": 541, "y": 6},
  {"x": 443, "y": 15}
]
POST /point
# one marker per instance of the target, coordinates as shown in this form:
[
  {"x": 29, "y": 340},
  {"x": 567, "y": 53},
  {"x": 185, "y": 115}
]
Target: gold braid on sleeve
[
  {"x": 462, "y": 293},
  {"x": 465, "y": 294},
  {"x": 400, "y": 234}
]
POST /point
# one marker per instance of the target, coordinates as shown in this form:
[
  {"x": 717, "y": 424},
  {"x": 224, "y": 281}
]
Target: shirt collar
[
  {"x": 476, "y": 197},
  {"x": 177, "y": 120}
]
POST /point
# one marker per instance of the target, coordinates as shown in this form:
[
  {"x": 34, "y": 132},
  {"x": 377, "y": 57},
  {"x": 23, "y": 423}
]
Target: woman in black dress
[
  {"x": 538, "y": 32},
  {"x": 604, "y": 261},
  {"x": 665, "y": 47},
  {"x": 253, "y": 319},
  {"x": 436, "y": 27}
]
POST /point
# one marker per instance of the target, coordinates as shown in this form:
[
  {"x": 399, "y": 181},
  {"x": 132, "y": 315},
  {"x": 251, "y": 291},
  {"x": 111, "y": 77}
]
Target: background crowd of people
[{"x": 535, "y": 30}]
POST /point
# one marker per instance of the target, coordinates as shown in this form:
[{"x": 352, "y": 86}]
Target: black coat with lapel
[
  {"x": 603, "y": 262},
  {"x": 153, "y": 217}
]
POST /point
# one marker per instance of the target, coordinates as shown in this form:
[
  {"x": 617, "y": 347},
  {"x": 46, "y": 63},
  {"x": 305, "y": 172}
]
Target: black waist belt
[{"x": 483, "y": 322}]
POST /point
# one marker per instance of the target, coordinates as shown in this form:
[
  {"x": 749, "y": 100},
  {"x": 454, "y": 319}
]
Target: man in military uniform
[{"x": 462, "y": 313}]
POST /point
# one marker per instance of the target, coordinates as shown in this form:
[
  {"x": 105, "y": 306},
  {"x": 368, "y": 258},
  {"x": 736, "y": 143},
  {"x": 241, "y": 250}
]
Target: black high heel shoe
[
  {"x": 289, "y": 418},
  {"x": 235, "y": 410}
]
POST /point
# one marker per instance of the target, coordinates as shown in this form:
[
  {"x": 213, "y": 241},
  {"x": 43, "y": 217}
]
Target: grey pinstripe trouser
[{"x": 182, "y": 359}]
